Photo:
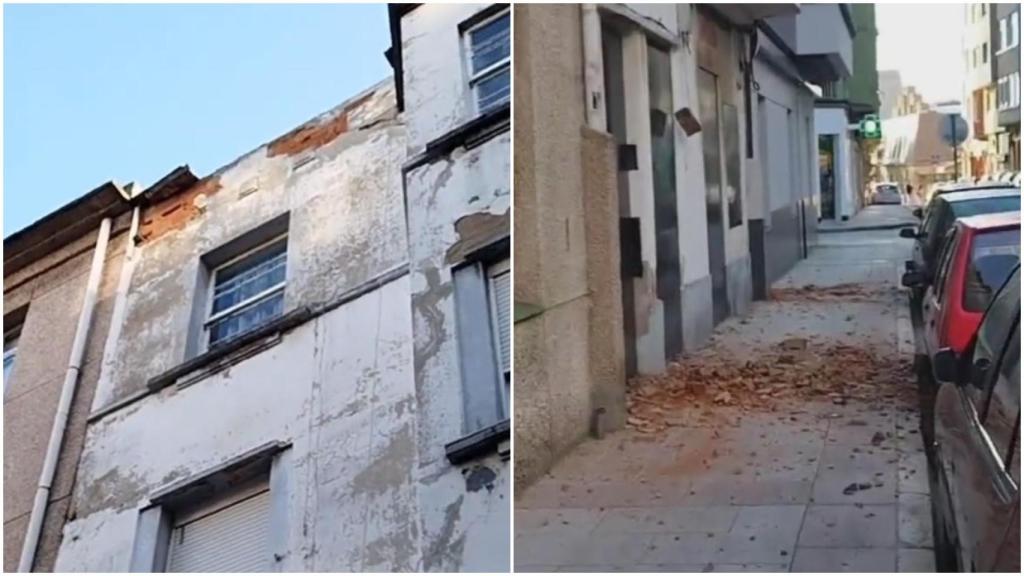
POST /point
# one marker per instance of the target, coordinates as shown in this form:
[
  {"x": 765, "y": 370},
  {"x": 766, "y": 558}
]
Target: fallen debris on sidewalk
[{"x": 794, "y": 369}]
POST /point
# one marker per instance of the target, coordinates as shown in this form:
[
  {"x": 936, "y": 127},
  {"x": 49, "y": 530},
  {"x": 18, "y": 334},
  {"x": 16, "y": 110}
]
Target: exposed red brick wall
[{"x": 175, "y": 212}]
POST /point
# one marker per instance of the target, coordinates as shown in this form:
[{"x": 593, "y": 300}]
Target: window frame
[
  {"x": 475, "y": 78},
  {"x": 945, "y": 260},
  {"x": 210, "y": 318},
  {"x": 155, "y": 525}
]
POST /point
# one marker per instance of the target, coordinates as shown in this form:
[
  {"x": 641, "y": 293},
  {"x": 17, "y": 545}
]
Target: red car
[{"x": 978, "y": 255}]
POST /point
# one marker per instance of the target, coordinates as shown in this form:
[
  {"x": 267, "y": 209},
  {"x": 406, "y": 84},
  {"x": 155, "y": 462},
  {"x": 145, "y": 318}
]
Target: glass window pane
[
  {"x": 493, "y": 91},
  {"x": 247, "y": 278},
  {"x": 247, "y": 318},
  {"x": 993, "y": 257},
  {"x": 490, "y": 43}
]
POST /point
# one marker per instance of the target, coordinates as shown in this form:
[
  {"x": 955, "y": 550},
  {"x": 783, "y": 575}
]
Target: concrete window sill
[{"x": 490, "y": 440}]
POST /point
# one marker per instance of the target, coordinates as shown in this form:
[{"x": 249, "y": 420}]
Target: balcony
[
  {"x": 748, "y": 14},
  {"x": 820, "y": 39}
]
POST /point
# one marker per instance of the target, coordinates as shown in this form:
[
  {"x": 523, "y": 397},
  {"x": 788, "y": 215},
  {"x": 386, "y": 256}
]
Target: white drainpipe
[{"x": 67, "y": 393}]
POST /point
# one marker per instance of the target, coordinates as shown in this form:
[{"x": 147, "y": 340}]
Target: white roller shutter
[
  {"x": 501, "y": 287},
  {"x": 233, "y": 538}
]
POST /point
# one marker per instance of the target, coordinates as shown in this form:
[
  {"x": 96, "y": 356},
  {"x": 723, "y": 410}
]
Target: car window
[
  {"x": 945, "y": 262},
  {"x": 1003, "y": 404},
  {"x": 943, "y": 222},
  {"x": 993, "y": 257},
  {"x": 995, "y": 326},
  {"x": 931, "y": 217},
  {"x": 977, "y": 206}
]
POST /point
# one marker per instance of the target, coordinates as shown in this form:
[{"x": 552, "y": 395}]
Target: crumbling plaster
[
  {"x": 346, "y": 225},
  {"x": 457, "y": 525},
  {"x": 345, "y": 404},
  {"x": 462, "y": 528}
]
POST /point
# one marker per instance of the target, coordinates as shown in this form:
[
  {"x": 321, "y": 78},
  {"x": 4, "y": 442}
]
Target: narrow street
[{"x": 790, "y": 443}]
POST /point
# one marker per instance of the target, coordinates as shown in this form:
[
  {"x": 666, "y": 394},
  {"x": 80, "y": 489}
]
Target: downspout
[{"x": 67, "y": 393}]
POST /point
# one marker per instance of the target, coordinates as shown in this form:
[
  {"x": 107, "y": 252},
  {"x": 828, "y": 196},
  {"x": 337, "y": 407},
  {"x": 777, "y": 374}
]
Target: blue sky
[{"x": 126, "y": 93}]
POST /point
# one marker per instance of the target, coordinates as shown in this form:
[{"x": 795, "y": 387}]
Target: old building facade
[
  {"x": 649, "y": 209},
  {"x": 299, "y": 362}
]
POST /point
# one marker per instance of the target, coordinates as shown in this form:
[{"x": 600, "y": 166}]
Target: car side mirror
[
  {"x": 944, "y": 365},
  {"x": 908, "y": 233},
  {"x": 979, "y": 372},
  {"x": 912, "y": 279},
  {"x": 918, "y": 213}
]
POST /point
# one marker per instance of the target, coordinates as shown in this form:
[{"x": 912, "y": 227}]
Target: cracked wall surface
[
  {"x": 338, "y": 388},
  {"x": 456, "y": 204}
]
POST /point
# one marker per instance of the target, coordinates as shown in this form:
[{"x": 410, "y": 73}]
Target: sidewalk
[
  {"x": 790, "y": 443},
  {"x": 880, "y": 217}
]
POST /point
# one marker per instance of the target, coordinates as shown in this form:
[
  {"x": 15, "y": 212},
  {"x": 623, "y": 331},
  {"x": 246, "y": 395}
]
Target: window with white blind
[
  {"x": 488, "y": 50},
  {"x": 500, "y": 288},
  {"x": 247, "y": 291},
  {"x": 483, "y": 330},
  {"x": 228, "y": 534}
]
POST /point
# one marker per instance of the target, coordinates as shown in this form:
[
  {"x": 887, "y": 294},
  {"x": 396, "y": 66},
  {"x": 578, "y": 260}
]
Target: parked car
[
  {"x": 975, "y": 471},
  {"x": 942, "y": 211},
  {"x": 887, "y": 193},
  {"x": 946, "y": 187},
  {"x": 980, "y": 252}
]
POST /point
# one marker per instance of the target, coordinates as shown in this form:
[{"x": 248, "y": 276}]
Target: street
[{"x": 791, "y": 442}]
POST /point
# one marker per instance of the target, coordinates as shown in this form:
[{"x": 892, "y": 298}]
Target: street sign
[
  {"x": 870, "y": 128},
  {"x": 954, "y": 130}
]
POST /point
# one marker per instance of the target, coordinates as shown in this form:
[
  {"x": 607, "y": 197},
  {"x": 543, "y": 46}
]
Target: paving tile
[
  {"x": 701, "y": 519},
  {"x": 611, "y": 549},
  {"x": 915, "y": 521},
  {"x": 913, "y": 473},
  {"x": 709, "y": 491},
  {"x": 851, "y": 526},
  {"x": 532, "y": 568},
  {"x": 844, "y": 560},
  {"x": 915, "y": 560},
  {"x": 684, "y": 548},
  {"x": 548, "y": 550},
  {"x": 762, "y": 534},
  {"x": 556, "y": 520}
]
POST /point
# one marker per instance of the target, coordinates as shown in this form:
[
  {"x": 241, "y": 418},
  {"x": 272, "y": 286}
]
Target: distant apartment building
[
  {"x": 979, "y": 97},
  {"x": 296, "y": 363},
  {"x": 844, "y": 156},
  {"x": 890, "y": 86},
  {"x": 1006, "y": 40},
  {"x": 910, "y": 101},
  {"x": 665, "y": 171}
]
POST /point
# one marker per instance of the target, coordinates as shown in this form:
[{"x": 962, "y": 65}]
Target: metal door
[
  {"x": 707, "y": 87},
  {"x": 666, "y": 215}
]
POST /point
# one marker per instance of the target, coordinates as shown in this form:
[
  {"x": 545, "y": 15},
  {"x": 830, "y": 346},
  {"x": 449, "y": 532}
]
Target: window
[
  {"x": 10, "y": 351},
  {"x": 500, "y": 289},
  {"x": 483, "y": 324},
  {"x": 247, "y": 291},
  {"x": 945, "y": 260},
  {"x": 993, "y": 257},
  {"x": 1003, "y": 404},
  {"x": 984, "y": 52},
  {"x": 229, "y": 533},
  {"x": 232, "y": 518},
  {"x": 1004, "y": 41},
  {"x": 488, "y": 49},
  {"x": 1014, "y": 29}
]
